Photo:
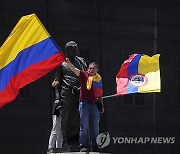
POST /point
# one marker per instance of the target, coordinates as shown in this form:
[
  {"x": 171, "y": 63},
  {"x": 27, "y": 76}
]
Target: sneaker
[
  {"x": 84, "y": 150},
  {"x": 50, "y": 151}
]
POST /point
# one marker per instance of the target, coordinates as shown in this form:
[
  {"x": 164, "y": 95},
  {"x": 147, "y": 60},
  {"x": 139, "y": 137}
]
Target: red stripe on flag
[
  {"x": 122, "y": 76},
  {"x": 98, "y": 92},
  {"x": 29, "y": 75}
]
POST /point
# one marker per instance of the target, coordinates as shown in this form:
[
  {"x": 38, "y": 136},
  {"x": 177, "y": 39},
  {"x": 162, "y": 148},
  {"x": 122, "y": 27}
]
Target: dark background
[{"x": 107, "y": 32}]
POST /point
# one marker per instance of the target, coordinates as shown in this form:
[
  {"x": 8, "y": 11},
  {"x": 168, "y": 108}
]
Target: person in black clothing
[{"x": 56, "y": 139}]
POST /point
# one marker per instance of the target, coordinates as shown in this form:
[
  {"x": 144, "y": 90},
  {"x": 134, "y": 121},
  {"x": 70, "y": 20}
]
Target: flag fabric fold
[
  {"x": 139, "y": 74},
  {"x": 98, "y": 88},
  {"x": 27, "y": 54}
]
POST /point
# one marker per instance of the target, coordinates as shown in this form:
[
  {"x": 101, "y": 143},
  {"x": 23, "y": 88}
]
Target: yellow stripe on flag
[
  {"x": 28, "y": 31},
  {"x": 149, "y": 66}
]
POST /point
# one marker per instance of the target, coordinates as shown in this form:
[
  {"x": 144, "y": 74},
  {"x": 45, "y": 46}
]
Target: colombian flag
[
  {"x": 97, "y": 87},
  {"x": 27, "y": 54},
  {"x": 139, "y": 74}
]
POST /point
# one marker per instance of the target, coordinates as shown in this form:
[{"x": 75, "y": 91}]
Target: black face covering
[{"x": 71, "y": 50}]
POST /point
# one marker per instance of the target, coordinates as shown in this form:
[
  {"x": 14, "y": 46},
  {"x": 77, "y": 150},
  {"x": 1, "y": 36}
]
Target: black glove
[
  {"x": 76, "y": 90},
  {"x": 57, "y": 106},
  {"x": 100, "y": 106}
]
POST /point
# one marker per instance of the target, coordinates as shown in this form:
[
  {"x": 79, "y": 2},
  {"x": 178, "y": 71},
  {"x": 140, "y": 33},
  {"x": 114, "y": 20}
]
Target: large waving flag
[
  {"x": 139, "y": 74},
  {"x": 27, "y": 54}
]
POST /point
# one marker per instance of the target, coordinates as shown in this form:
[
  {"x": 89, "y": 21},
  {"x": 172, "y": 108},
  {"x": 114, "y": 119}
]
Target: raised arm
[{"x": 72, "y": 67}]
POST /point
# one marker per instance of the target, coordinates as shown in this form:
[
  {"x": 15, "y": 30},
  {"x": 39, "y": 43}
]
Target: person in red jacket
[{"x": 90, "y": 92}]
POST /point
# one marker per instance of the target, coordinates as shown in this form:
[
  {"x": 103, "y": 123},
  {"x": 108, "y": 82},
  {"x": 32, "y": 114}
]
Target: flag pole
[{"x": 109, "y": 96}]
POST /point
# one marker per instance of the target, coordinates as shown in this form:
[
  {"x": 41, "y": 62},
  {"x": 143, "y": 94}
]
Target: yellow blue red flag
[
  {"x": 139, "y": 74},
  {"x": 27, "y": 54}
]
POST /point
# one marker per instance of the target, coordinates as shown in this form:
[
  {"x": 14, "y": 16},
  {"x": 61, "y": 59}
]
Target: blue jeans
[{"x": 89, "y": 121}]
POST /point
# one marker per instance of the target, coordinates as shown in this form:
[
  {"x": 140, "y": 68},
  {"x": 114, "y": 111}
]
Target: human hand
[
  {"x": 100, "y": 106},
  {"x": 55, "y": 82},
  {"x": 102, "y": 109},
  {"x": 67, "y": 61}
]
